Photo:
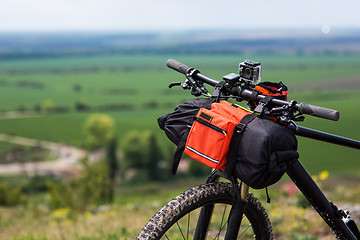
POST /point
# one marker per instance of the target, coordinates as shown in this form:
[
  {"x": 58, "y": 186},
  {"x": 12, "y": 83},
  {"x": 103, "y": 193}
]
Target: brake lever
[
  {"x": 174, "y": 84},
  {"x": 285, "y": 114},
  {"x": 186, "y": 85},
  {"x": 197, "y": 88}
]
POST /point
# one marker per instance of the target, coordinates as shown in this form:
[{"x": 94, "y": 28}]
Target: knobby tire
[{"x": 178, "y": 218}]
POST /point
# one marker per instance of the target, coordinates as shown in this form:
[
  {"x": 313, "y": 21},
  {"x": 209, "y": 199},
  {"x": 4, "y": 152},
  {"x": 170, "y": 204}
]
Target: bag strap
[
  {"x": 235, "y": 142},
  {"x": 179, "y": 151}
]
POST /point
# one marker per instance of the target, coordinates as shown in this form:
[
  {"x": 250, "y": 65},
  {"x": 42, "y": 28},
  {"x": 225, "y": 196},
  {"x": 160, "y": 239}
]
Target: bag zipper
[{"x": 213, "y": 127}]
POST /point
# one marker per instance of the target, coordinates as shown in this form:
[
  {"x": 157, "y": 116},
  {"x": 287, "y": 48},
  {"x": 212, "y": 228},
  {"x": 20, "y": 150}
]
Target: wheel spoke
[
  {"x": 244, "y": 231},
  {"x": 188, "y": 227},
  {"x": 177, "y": 223},
  {"x": 222, "y": 224}
]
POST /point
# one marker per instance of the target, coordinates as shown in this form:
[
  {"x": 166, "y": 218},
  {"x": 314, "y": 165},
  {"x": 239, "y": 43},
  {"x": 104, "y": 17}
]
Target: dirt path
[
  {"x": 18, "y": 114},
  {"x": 64, "y": 165}
]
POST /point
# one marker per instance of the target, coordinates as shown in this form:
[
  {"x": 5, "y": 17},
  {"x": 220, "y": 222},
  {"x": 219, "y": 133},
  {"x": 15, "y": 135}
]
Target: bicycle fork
[
  {"x": 237, "y": 211},
  {"x": 235, "y": 215}
]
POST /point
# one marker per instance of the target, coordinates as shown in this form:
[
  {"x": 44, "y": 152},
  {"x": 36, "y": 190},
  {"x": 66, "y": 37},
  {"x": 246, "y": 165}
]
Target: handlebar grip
[
  {"x": 319, "y": 111},
  {"x": 177, "y": 66}
]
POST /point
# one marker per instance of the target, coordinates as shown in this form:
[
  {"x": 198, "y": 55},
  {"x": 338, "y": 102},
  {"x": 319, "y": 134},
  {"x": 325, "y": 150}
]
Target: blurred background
[{"x": 82, "y": 84}]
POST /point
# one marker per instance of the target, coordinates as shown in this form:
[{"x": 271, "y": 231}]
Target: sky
[{"x": 149, "y": 15}]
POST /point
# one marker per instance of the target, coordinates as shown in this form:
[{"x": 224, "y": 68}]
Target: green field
[
  {"x": 141, "y": 82},
  {"x": 138, "y": 79}
]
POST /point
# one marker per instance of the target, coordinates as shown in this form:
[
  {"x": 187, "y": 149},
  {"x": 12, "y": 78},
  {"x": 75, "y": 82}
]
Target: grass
[
  {"x": 136, "y": 204},
  {"x": 72, "y": 125},
  {"x": 123, "y": 219}
]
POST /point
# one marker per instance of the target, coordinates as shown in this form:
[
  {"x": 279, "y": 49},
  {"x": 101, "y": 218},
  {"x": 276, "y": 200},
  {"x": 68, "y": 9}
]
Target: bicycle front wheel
[{"x": 179, "y": 218}]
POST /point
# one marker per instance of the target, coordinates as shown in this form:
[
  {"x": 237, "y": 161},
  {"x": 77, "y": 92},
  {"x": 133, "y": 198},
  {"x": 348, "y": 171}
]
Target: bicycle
[{"x": 214, "y": 206}]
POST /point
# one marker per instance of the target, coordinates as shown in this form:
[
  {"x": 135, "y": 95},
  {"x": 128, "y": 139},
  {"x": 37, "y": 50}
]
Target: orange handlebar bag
[{"x": 210, "y": 135}]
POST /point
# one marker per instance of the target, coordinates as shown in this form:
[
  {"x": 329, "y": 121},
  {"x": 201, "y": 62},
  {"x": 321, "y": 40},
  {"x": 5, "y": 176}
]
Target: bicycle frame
[
  {"x": 336, "y": 219},
  {"x": 303, "y": 180},
  {"x": 325, "y": 137},
  {"x": 322, "y": 205},
  {"x": 326, "y": 209}
]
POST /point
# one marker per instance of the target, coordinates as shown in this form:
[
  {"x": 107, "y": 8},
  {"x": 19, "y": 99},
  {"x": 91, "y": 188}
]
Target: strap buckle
[
  {"x": 240, "y": 128},
  {"x": 260, "y": 109}
]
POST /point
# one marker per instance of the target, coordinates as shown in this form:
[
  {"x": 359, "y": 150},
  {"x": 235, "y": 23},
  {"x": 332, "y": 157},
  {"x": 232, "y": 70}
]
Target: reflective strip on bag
[{"x": 202, "y": 155}]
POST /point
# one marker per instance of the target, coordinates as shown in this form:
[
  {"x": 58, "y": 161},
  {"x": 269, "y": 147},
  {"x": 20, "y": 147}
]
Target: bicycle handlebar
[
  {"x": 184, "y": 69},
  {"x": 319, "y": 111},
  {"x": 303, "y": 108},
  {"x": 177, "y": 66}
]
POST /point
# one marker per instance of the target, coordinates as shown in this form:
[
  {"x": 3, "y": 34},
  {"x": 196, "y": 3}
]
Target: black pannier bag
[
  {"x": 262, "y": 150},
  {"x": 177, "y": 123}
]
